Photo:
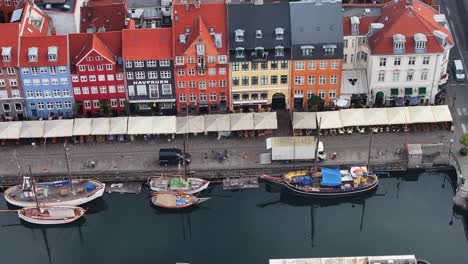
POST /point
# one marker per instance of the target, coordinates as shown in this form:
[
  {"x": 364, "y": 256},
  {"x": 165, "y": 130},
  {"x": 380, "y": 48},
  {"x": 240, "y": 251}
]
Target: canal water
[{"x": 405, "y": 216}]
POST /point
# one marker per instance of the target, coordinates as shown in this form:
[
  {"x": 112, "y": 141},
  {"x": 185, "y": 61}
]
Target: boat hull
[
  {"x": 203, "y": 185},
  {"x": 166, "y": 200},
  {"x": 45, "y": 221},
  {"x": 56, "y": 202}
]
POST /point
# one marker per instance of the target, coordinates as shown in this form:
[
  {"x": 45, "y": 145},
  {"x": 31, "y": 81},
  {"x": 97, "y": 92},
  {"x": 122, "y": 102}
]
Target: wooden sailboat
[
  {"x": 57, "y": 193},
  {"x": 326, "y": 182}
]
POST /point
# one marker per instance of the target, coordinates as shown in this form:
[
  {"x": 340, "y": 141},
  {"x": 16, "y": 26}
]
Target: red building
[
  {"x": 201, "y": 55},
  {"x": 103, "y": 15},
  {"x": 97, "y": 73}
]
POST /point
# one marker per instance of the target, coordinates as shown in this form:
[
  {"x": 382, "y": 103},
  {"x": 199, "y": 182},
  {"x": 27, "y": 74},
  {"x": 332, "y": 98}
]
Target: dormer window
[
  {"x": 182, "y": 38},
  {"x": 52, "y": 53},
  {"x": 307, "y": 50},
  {"x": 6, "y": 54},
  {"x": 260, "y": 52},
  {"x": 239, "y": 52},
  {"x": 279, "y": 51},
  {"x": 200, "y": 49},
  {"x": 420, "y": 42},
  {"x": 279, "y": 33},
  {"x": 399, "y": 44},
  {"x": 239, "y": 35},
  {"x": 355, "y": 25},
  {"x": 32, "y": 54},
  {"x": 329, "y": 49},
  {"x": 258, "y": 34}
]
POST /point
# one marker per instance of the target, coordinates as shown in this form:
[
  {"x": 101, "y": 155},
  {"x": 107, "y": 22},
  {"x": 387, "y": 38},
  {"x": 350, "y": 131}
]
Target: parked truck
[{"x": 294, "y": 148}]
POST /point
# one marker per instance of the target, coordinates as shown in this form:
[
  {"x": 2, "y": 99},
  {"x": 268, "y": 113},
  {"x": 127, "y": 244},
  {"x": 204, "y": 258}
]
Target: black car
[{"x": 172, "y": 156}]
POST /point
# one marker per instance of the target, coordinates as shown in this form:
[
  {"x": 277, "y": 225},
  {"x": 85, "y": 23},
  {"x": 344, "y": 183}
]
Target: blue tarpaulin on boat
[
  {"x": 58, "y": 183},
  {"x": 331, "y": 176}
]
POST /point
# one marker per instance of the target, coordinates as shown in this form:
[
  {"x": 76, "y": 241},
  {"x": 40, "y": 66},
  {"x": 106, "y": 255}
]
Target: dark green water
[{"x": 404, "y": 217}]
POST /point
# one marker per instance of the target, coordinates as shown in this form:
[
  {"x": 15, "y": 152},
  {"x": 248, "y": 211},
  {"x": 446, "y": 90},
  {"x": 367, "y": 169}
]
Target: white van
[{"x": 458, "y": 70}]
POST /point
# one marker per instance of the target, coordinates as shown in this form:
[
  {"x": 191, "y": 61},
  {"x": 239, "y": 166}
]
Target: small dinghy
[
  {"x": 51, "y": 215},
  {"x": 171, "y": 200}
]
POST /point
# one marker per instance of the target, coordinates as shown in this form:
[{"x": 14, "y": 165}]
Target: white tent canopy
[
  {"x": 218, "y": 122},
  {"x": 100, "y": 126},
  {"x": 352, "y": 117},
  {"x": 58, "y": 128},
  {"x": 376, "y": 116},
  {"x": 139, "y": 125},
  {"x": 242, "y": 121},
  {"x": 164, "y": 124},
  {"x": 82, "y": 127},
  {"x": 196, "y": 124},
  {"x": 10, "y": 130},
  {"x": 397, "y": 115},
  {"x": 118, "y": 125},
  {"x": 420, "y": 114},
  {"x": 330, "y": 120},
  {"x": 32, "y": 129},
  {"x": 265, "y": 120},
  {"x": 183, "y": 125},
  {"x": 441, "y": 113},
  {"x": 304, "y": 120}
]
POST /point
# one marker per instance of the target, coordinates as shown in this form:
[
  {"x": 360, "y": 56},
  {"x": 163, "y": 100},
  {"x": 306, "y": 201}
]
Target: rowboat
[
  {"x": 171, "y": 200},
  {"x": 51, "y": 215}
]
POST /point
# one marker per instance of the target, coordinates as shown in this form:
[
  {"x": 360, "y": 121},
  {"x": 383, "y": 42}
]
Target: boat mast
[
  {"x": 68, "y": 167},
  {"x": 185, "y": 154},
  {"x": 314, "y": 169},
  {"x": 369, "y": 153},
  {"x": 18, "y": 167},
  {"x": 34, "y": 189}
]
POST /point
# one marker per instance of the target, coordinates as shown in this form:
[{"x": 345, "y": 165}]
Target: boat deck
[
  {"x": 170, "y": 200},
  {"x": 409, "y": 259}
]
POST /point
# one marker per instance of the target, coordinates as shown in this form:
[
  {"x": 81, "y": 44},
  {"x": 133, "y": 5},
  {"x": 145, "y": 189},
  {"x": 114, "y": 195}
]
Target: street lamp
[{"x": 450, "y": 149}]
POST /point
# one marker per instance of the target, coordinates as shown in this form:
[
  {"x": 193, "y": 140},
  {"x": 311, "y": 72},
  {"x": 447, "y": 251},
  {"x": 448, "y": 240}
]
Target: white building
[{"x": 404, "y": 51}]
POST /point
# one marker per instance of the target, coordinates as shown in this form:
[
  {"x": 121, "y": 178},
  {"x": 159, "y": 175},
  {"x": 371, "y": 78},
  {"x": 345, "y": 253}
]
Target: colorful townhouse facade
[
  {"x": 317, "y": 52},
  {"x": 45, "y": 76},
  {"x": 200, "y": 50},
  {"x": 11, "y": 95},
  {"x": 97, "y": 73},
  {"x": 260, "y": 55},
  {"x": 149, "y": 71}
]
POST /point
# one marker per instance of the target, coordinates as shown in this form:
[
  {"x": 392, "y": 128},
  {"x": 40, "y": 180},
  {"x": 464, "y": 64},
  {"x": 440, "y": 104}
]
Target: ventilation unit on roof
[{"x": 367, "y": 11}]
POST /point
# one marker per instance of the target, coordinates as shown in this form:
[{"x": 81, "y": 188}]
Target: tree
[
  {"x": 104, "y": 108},
  {"x": 314, "y": 102}
]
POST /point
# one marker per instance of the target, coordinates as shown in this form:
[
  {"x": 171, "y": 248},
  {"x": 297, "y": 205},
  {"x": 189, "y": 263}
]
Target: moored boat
[
  {"x": 57, "y": 193},
  {"x": 166, "y": 183},
  {"x": 171, "y": 200},
  {"x": 51, "y": 215}
]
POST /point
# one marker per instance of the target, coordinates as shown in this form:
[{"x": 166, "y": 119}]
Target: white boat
[
  {"x": 51, "y": 215},
  {"x": 58, "y": 193},
  {"x": 177, "y": 184}
]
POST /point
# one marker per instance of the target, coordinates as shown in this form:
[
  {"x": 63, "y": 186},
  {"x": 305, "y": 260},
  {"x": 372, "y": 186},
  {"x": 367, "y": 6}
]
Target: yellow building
[{"x": 256, "y": 85}]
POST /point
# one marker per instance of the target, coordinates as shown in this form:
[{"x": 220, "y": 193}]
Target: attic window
[
  {"x": 182, "y": 38},
  {"x": 239, "y": 52},
  {"x": 200, "y": 49},
  {"x": 239, "y": 35},
  {"x": 279, "y": 33},
  {"x": 52, "y": 53},
  {"x": 399, "y": 44},
  {"x": 212, "y": 30},
  {"x": 329, "y": 49},
  {"x": 259, "y": 52},
  {"x": 307, "y": 50},
  {"x": 258, "y": 34},
  {"x": 6, "y": 54},
  {"x": 32, "y": 54},
  {"x": 279, "y": 51},
  {"x": 420, "y": 42}
]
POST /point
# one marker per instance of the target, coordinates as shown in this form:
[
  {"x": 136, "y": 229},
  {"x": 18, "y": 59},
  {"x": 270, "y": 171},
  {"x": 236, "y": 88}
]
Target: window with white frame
[
  {"x": 32, "y": 54},
  {"x": 45, "y": 81},
  {"x": 100, "y": 67},
  {"x": 321, "y": 94},
  {"x": 412, "y": 60},
  {"x": 311, "y": 80},
  {"x": 381, "y": 77},
  {"x": 109, "y": 67},
  {"x": 26, "y": 82},
  {"x": 95, "y": 103},
  {"x": 213, "y": 97},
  {"x": 36, "y": 82},
  {"x": 152, "y": 75},
  {"x": 89, "y": 59},
  {"x": 40, "y": 106},
  {"x": 310, "y": 93},
  {"x": 222, "y": 59},
  {"x": 212, "y": 84},
  {"x": 165, "y": 74},
  {"x": 83, "y": 78},
  {"x": 74, "y": 78},
  {"x": 111, "y": 88},
  {"x": 191, "y": 72},
  {"x": 101, "y": 77},
  {"x": 396, "y": 76},
  {"x": 181, "y": 84},
  {"x": 87, "y": 104},
  {"x": 202, "y": 97},
  {"x": 110, "y": 77},
  {"x": 141, "y": 89},
  {"x": 202, "y": 85},
  {"x": 409, "y": 75},
  {"x": 90, "y": 67},
  {"x": 322, "y": 79},
  {"x": 23, "y": 70},
  {"x": 102, "y": 89},
  {"x": 192, "y": 84},
  {"x": 299, "y": 80},
  {"x": 397, "y": 61},
  {"x": 182, "y": 98},
  {"x": 212, "y": 71},
  {"x": 426, "y": 60},
  {"x": 38, "y": 93},
  {"x": 332, "y": 94},
  {"x": 222, "y": 83},
  {"x": 94, "y": 90},
  {"x": 43, "y": 70},
  {"x": 122, "y": 102},
  {"x": 222, "y": 71},
  {"x": 119, "y": 76},
  {"x": 128, "y": 64},
  {"x": 383, "y": 62},
  {"x": 166, "y": 89},
  {"x": 68, "y": 105},
  {"x": 312, "y": 65},
  {"x": 85, "y": 90},
  {"x": 211, "y": 59},
  {"x": 193, "y": 97},
  {"x": 113, "y": 102},
  {"x": 152, "y": 63},
  {"x": 129, "y": 75},
  {"x": 424, "y": 75},
  {"x": 140, "y": 75},
  {"x": 13, "y": 82},
  {"x": 82, "y": 68},
  {"x": 299, "y": 65},
  {"x": 92, "y": 78},
  {"x": 76, "y": 90},
  {"x": 190, "y": 59},
  {"x": 65, "y": 93},
  {"x": 131, "y": 90},
  {"x": 120, "y": 88},
  {"x": 50, "y": 105},
  {"x": 164, "y": 63},
  {"x": 58, "y": 105},
  {"x": 333, "y": 79},
  {"x": 323, "y": 64},
  {"x": 15, "y": 93},
  {"x": 180, "y": 60},
  {"x": 29, "y": 94},
  {"x": 47, "y": 93},
  {"x": 139, "y": 64},
  {"x": 180, "y": 72},
  {"x": 334, "y": 64}
]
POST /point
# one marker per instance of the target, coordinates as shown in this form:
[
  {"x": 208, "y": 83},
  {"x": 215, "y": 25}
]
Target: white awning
[
  {"x": 10, "y": 130},
  {"x": 242, "y": 121},
  {"x": 330, "y": 119},
  {"x": 304, "y": 120},
  {"x": 82, "y": 127},
  {"x": 58, "y": 128},
  {"x": 397, "y": 115},
  {"x": 211, "y": 123},
  {"x": 100, "y": 126},
  {"x": 32, "y": 129},
  {"x": 420, "y": 114},
  {"x": 164, "y": 124},
  {"x": 352, "y": 117},
  {"x": 376, "y": 116},
  {"x": 218, "y": 122},
  {"x": 265, "y": 120},
  {"x": 441, "y": 113},
  {"x": 140, "y": 125},
  {"x": 196, "y": 124},
  {"x": 118, "y": 125},
  {"x": 182, "y": 125}
]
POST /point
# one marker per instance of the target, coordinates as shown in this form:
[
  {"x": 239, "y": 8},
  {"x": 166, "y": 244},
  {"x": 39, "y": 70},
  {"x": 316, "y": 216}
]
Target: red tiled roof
[
  {"x": 97, "y": 45},
  {"x": 43, "y": 43},
  {"x": 147, "y": 44},
  {"x": 398, "y": 19},
  {"x": 364, "y": 24},
  {"x": 110, "y": 14},
  {"x": 213, "y": 14},
  {"x": 28, "y": 29},
  {"x": 200, "y": 31},
  {"x": 77, "y": 43},
  {"x": 10, "y": 40}
]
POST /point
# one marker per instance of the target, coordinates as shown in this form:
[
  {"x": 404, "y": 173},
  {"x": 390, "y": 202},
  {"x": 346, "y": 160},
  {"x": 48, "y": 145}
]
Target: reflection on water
[{"x": 406, "y": 215}]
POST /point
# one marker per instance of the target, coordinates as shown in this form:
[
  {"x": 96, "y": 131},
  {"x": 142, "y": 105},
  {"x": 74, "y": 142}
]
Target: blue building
[{"x": 45, "y": 76}]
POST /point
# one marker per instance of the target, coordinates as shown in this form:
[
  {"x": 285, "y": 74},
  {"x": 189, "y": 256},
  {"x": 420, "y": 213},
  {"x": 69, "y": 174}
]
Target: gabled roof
[
  {"x": 407, "y": 19},
  {"x": 98, "y": 46},
  {"x": 200, "y": 32},
  {"x": 364, "y": 25},
  {"x": 42, "y": 43},
  {"x": 10, "y": 40},
  {"x": 147, "y": 44}
]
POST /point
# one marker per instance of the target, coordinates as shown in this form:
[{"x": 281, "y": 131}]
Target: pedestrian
[{"x": 334, "y": 156}]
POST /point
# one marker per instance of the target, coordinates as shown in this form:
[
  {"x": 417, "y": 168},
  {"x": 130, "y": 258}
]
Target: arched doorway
[
  {"x": 379, "y": 99},
  {"x": 278, "y": 101}
]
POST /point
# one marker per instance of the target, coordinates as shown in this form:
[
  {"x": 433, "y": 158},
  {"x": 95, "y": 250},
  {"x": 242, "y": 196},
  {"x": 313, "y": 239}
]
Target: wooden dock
[
  {"x": 124, "y": 187},
  {"x": 240, "y": 183}
]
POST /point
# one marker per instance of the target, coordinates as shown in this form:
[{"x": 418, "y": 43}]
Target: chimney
[
  {"x": 197, "y": 3},
  {"x": 53, "y": 31}
]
